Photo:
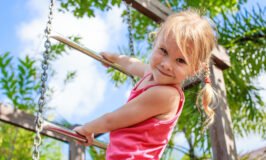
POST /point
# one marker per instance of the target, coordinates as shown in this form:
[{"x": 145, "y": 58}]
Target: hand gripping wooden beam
[
  {"x": 71, "y": 134},
  {"x": 88, "y": 52}
]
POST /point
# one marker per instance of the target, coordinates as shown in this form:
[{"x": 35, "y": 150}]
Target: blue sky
[{"x": 91, "y": 94}]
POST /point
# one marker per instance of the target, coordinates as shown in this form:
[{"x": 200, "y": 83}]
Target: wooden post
[
  {"x": 76, "y": 152},
  {"x": 222, "y": 138},
  {"x": 221, "y": 132}
]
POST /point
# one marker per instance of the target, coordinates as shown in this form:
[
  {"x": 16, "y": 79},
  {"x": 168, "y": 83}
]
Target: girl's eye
[
  {"x": 164, "y": 51},
  {"x": 180, "y": 60}
]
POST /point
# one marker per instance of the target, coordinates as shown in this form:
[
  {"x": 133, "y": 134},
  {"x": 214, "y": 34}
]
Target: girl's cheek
[{"x": 157, "y": 57}]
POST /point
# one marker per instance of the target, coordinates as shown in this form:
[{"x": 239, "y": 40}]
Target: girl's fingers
[
  {"x": 103, "y": 55},
  {"x": 90, "y": 138}
]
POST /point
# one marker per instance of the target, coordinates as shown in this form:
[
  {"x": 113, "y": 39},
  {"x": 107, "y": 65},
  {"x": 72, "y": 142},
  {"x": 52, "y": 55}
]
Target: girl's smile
[{"x": 164, "y": 73}]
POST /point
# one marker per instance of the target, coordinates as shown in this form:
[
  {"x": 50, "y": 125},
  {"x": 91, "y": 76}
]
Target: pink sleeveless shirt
[{"x": 146, "y": 140}]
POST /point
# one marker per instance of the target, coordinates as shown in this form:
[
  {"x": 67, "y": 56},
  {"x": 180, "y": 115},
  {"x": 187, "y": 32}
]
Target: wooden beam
[
  {"x": 25, "y": 120},
  {"x": 220, "y": 58},
  {"x": 151, "y": 8}
]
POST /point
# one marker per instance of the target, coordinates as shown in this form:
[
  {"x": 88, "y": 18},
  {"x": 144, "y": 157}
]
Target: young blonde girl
[{"x": 141, "y": 128}]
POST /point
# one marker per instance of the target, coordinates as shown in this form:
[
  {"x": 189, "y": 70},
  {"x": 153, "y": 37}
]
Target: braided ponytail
[{"x": 206, "y": 96}]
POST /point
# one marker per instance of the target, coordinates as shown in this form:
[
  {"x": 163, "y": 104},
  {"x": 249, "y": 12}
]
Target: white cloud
[
  {"x": 249, "y": 143},
  {"x": 80, "y": 97}
]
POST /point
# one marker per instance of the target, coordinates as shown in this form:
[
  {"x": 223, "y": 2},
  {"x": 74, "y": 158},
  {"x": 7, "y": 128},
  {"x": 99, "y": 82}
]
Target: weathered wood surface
[
  {"x": 76, "y": 152},
  {"x": 221, "y": 133},
  {"x": 25, "y": 120},
  {"x": 151, "y": 8}
]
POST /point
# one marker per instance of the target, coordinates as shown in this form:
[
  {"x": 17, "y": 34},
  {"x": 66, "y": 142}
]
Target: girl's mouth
[{"x": 163, "y": 73}]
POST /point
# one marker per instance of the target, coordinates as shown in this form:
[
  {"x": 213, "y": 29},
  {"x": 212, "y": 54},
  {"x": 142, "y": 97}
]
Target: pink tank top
[{"x": 146, "y": 140}]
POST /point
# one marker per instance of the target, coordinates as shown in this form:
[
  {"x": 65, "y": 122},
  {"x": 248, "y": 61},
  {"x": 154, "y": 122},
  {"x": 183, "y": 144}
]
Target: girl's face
[{"x": 167, "y": 63}]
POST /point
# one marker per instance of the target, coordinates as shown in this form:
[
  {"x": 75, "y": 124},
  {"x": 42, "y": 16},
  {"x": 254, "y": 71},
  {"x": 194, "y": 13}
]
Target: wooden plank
[
  {"x": 221, "y": 132},
  {"x": 71, "y": 134},
  {"x": 89, "y": 52},
  {"x": 25, "y": 120}
]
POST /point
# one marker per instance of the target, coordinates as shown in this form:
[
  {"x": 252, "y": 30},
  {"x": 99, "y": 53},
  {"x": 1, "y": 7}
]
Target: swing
[{"x": 40, "y": 123}]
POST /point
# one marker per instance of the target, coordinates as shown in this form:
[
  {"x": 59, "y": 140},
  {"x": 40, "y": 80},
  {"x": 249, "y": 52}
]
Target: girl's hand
[
  {"x": 109, "y": 57},
  {"x": 89, "y": 136}
]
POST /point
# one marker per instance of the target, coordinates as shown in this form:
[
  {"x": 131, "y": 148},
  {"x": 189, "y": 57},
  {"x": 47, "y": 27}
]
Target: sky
[{"x": 92, "y": 93}]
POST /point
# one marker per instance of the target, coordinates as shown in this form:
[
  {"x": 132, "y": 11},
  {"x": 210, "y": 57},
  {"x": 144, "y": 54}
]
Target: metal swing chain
[
  {"x": 131, "y": 42},
  {"x": 129, "y": 23},
  {"x": 44, "y": 76}
]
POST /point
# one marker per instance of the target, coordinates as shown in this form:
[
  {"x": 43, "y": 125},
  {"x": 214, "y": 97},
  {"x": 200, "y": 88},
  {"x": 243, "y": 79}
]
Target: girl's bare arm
[
  {"x": 130, "y": 64},
  {"x": 155, "y": 101}
]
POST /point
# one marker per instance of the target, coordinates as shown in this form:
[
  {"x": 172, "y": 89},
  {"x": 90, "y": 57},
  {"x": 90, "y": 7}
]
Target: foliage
[
  {"x": 16, "y": 144},
  {"x": 211, "y": 7},
  {"x": 96, "y": 153},
  {"x": 18, "y": 84},
  {"x": 88, "y": 7},
  {"x": 244, "y": 37},
  {"x": 142, "y": 24}
]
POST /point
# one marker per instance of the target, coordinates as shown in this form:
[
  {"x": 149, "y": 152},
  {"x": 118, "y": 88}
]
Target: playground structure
[{"x": 222, "y": 139}]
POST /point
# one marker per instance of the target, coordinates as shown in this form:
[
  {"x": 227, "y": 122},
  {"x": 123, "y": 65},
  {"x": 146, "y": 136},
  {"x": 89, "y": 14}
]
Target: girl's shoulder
[
  {"x": 166, "y": 98},
  {"x": 168, "y": 95}
]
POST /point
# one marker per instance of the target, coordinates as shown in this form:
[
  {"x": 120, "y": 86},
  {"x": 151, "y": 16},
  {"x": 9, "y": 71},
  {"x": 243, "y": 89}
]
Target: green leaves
[
  {"x": 81, "y": 8},
  {"x": 244, "y": 37},
  {"x": 18, "y": 81},
  {"x": 210, "y": 7},
  {"x": 117, "y": 77},
  {"x": 16, "y": 144},
  {"x": 96, "y": 153}
]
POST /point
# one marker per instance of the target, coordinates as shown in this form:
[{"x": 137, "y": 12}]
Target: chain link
[
  {"x": 129, "y": 23},
  {"x": 131, "y": 42},
  {"x": 44, "y": 76}
]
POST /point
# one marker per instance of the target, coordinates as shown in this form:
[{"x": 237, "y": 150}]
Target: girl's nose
[{"x": 166, "y": 65}]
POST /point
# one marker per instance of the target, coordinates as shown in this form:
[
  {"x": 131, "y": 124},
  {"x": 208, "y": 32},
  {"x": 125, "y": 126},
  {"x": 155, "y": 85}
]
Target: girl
[{"x": 141, "y": 128}]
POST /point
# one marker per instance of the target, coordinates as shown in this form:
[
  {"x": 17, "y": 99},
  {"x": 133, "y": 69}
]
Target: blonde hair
[{"x": 195, "y": 36}]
